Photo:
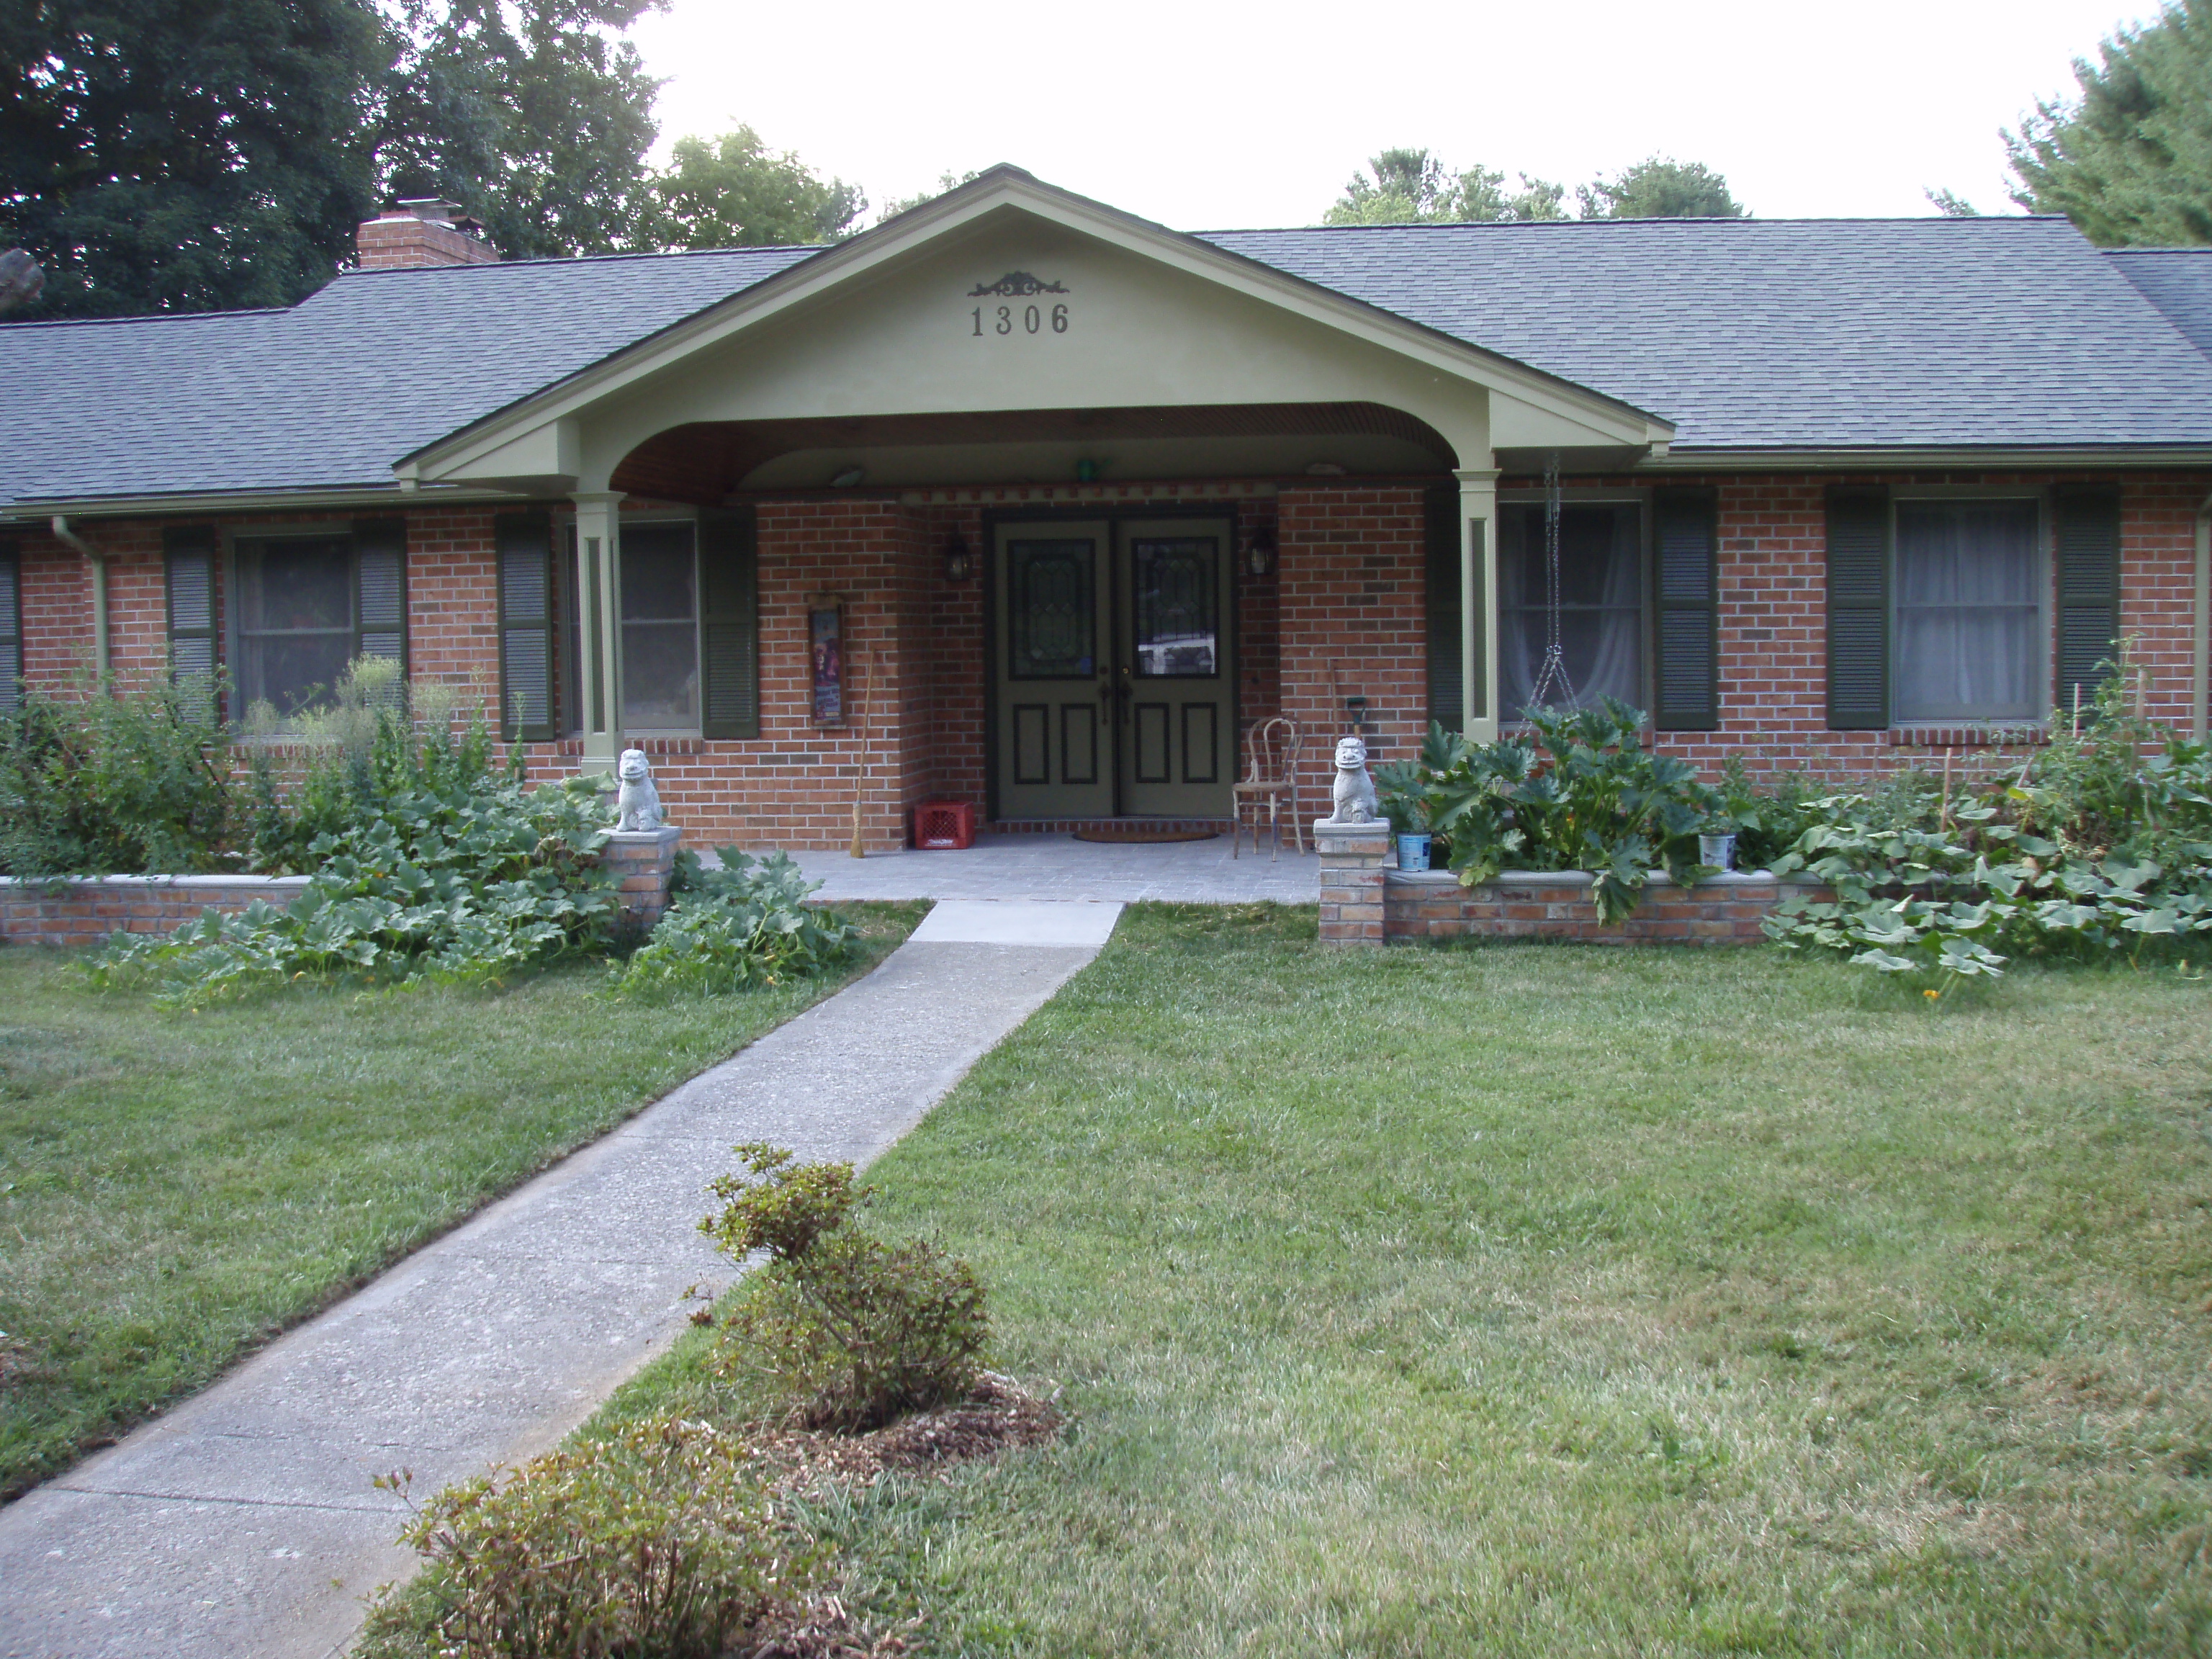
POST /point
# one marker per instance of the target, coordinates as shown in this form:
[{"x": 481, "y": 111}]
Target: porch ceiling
[{"x": 705, "y": 461}]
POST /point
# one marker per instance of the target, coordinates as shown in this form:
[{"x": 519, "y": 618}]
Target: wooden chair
[{"x": 1271, "y": 779}]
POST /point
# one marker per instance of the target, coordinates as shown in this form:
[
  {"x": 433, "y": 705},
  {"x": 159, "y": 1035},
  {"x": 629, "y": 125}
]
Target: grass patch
[
  {"x": 177, "y": 1188},
  {"x": 1538, "y": 1299}
]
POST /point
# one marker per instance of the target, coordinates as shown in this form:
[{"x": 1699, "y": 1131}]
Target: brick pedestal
[
  {"x": 1352, "y": 877},
  {"x": 643, "y": 862}
]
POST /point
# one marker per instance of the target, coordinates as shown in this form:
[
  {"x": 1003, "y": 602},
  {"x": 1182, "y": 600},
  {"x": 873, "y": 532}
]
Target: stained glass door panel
[
  {"x": 1051, "y": 615},
  {"x": 1178, "y": 734}
]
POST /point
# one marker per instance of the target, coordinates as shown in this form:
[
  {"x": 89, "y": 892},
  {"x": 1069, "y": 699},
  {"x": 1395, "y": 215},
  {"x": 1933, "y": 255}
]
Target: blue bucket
[{"x": 1413, "y": 852}]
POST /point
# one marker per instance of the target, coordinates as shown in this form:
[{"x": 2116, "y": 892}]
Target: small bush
[
  {"x": 99, "y": 782},
  {"x": 653, "y": 1540},
  {"x": 727, "y": 930},
  {"x": 841, "y": 1329}
]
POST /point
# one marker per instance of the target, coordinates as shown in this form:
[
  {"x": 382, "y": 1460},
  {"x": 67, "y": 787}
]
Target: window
[
  {"x": 1969, "y": 615},
  {"x": 307, "y": 605},
  {"x": 1600, "y": 607},
  {"x": 660, "y": 629}
]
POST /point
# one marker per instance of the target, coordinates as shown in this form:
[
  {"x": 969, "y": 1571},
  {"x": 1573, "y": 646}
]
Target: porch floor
[{"x": 1038, "y": 866}]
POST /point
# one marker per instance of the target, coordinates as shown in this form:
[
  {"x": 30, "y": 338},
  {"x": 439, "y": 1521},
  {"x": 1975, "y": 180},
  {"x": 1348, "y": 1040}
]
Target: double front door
[{"x": 1116, "y": 674}]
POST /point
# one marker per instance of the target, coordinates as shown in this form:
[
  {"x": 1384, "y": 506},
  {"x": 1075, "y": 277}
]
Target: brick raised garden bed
[
  {"x": 1365, "y": 902},
  {"x": 84, "y": 910}
]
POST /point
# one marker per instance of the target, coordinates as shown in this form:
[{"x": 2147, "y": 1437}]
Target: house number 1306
[{"x": 1032, "y": 320}]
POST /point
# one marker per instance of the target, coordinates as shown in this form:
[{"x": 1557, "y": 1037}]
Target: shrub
[
  {"x": 99, "y": 782},
  {"x": 842, "y": 1330},
  {"x": 650, "y": 1540},
  {"x": 442, "y": 886},
  {"x": 2101, "y": 846},
  {"x": 727, "y": 930},
  {"x": 1581, "y": 793}
]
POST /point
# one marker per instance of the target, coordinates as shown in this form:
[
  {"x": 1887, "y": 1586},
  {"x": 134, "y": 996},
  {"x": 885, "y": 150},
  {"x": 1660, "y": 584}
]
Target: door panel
[
  {"x": 1174, "y": 646},
  {"x": 1050, "y": 628},
  {"x": 1114, "y": 660}
]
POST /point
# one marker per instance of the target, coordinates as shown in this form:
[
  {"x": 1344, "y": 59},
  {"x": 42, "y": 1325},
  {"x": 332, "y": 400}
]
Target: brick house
[{"x": 1020, "y": 501}]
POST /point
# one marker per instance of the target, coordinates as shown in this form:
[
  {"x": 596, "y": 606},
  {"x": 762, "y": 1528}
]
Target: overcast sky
[{"x": 1211, "y": 115}]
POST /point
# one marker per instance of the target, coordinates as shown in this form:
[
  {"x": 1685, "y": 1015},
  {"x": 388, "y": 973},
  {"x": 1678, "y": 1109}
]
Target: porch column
[
  {"x": 598, "y": 596},
  {"x": 1478, "y": 602}
]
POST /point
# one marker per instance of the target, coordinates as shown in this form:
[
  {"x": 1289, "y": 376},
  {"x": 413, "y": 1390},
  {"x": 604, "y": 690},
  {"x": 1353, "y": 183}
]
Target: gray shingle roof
[
  {"x": 1796, "y": 334},
  {"x": 1747, "y": 334},
  {"x": 2177, "y": 281},
  {"x": 332, "y": 392}
]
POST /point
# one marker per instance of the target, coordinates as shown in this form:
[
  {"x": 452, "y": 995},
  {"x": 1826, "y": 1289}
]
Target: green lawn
[
  {"x": 1531, "y": 1299},
  {"x": 176, "y": 1187}
]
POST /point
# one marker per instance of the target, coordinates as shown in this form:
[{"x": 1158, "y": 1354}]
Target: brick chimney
[{"x": 422, "y": 233}]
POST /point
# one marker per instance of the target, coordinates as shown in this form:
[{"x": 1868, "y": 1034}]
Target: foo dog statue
[
  {"x": 637, "y": 802},
  {"x": 1354, "y": 801}
]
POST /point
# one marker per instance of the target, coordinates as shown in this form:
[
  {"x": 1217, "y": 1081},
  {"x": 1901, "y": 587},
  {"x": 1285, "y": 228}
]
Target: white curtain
[
  {"x": 1602, "y": 608},
  {"x": 1967, "y": 613}
]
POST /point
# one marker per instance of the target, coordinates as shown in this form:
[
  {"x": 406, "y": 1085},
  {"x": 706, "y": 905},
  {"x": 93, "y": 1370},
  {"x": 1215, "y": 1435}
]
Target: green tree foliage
[
  {"x": 170, "y": 155},
  {"x": 1951, "y": 205},
  {"x": 946, "y": 181},
  {"x": 535, "y": 115},
  {"x": 1659, "y": 187},
  {"x": 2130, "y": 160},
  {"x": 1413, "y": 187},
  {"x": 734, "y": 191},
  {"x": 173, "y": 156}
]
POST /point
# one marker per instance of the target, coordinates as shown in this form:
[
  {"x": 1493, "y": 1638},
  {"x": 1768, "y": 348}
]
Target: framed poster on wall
[{"x": 825, "y": 636}]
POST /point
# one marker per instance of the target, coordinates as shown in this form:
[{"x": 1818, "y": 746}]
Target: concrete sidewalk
[
  {"x": 244, "y": 1523},
  {"x": 1060, "y": 867}
]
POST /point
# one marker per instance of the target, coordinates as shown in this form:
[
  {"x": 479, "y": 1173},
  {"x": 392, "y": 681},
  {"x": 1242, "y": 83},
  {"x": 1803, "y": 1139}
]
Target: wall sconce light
[
  {"x": 958, "y": 561},
  {"x": 1260, "y": 551}
]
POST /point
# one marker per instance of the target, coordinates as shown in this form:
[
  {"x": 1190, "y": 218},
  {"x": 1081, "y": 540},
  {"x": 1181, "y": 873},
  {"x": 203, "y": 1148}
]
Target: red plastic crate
[{"x": 950, "y": 823}]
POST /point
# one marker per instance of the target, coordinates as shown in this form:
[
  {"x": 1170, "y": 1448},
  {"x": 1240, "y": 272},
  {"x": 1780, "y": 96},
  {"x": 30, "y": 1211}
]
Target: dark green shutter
[
  {"x": 189, "y": 554},
  {"x": 729, "y": 625},
  {"x": 379, "y": 551},
  {"x": 11, "y": 627},
  {"x": 2088, "y": 545},
  {"x": 1447, "y": 700},
  {"x": 526, "y": 627},
  {"x": 1686, "y": 631},
  {"x": 1858, "y": 610}
]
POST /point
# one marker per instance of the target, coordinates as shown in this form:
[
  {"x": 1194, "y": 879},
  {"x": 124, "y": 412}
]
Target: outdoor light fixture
[
  {"x": 1260, "y": 551},
  {"x": 848, "y": 477},
  {"x": 958, "y": 562}
]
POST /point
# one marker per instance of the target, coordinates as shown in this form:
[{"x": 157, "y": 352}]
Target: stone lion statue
[
  {"x": 637, "y": 802},
  {"x": 1354, "y": 801}
]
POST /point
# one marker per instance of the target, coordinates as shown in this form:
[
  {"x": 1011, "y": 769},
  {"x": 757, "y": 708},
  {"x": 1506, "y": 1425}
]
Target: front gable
[{"x": 1007, "y": 296}]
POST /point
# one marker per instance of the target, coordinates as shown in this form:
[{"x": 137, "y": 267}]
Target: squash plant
[{"x": 1578, "y": 791}]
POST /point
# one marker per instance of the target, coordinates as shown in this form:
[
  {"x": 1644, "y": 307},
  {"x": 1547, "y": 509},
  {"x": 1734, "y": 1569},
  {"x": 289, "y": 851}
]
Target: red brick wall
[
  {"x": 1351, "y": 596},
  {"x": 1340, "y": 615}
]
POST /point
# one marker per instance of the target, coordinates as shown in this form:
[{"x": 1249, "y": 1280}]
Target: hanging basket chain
[{"x": 1552, "y": 685}]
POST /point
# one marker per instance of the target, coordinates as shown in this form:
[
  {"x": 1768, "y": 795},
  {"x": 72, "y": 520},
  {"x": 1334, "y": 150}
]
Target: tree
[
  {"x": 946, "y": 181},
  {"x": 170, "y": 155},
  {"x": 1659, "y": 187},
  {"x": 1951, "y": 205},
  {"x": 1413, "y": 187},
  {"x": 2130, "y": 160},
  {"x": 533, "y": 114},
  {"x": 735, "y": 193}
]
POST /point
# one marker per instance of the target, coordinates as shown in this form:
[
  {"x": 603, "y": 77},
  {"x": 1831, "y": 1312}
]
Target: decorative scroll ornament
[{"x": 1014, "y": 285}]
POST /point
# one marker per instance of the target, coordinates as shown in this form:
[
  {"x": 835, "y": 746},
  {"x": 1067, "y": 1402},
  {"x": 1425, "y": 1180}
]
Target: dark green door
[
  {"x": 1116, "y": 670},
  {"x": 1054, "y": 695}
]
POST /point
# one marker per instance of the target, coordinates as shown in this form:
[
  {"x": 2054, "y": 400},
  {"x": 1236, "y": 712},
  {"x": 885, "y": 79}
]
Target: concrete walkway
[
  {"x": 1023, "y": 866},
  {"x": 243, "y": 1523}
]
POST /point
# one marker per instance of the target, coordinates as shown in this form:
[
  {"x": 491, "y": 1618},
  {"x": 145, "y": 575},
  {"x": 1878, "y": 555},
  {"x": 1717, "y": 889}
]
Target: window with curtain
[
  {"x": 1969, "y": 611},
  {"x": 1600, "y": 607},
  {"x": 297, "y": 628},
  {"x": 660, "y": 628}
]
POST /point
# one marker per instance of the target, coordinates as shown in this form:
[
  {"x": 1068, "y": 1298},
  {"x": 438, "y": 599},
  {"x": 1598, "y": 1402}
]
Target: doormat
[{"x": 1141, "y": 835}]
